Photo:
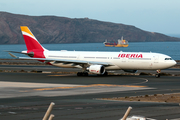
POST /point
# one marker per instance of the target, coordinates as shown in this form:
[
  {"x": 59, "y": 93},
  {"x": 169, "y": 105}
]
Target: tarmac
[{"x": 26, "y": 96}]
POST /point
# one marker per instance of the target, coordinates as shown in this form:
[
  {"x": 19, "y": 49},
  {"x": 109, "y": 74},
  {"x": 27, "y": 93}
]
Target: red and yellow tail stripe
[
  {"x": 25, "y": 31},
  {"x": 30, "y": 40}
]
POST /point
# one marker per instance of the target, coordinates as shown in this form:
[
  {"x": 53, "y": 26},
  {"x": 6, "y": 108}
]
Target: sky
[{"x": 162, "y": 16}]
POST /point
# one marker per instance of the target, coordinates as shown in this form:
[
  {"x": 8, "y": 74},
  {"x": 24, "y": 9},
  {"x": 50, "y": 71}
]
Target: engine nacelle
[
  {"x": 130, "y": 71},
  {"x": 96, "y": 69}
]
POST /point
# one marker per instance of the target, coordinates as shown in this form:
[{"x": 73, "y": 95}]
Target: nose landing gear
[{"x": 158, "y": 73}]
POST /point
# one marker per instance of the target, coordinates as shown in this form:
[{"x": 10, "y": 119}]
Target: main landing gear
[
  {"x": 82, "y": 74},
  {"x": 158, "y": 73},
  {"x": 86, "y": 74}
]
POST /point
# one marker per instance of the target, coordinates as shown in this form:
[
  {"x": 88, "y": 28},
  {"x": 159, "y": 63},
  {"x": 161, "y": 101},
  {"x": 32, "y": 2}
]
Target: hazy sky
[{"x": 161, "y": 16}]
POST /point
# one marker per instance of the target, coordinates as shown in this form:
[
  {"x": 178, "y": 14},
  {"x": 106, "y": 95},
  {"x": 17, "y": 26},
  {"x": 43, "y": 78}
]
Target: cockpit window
[{"x": 168, "y": 58}]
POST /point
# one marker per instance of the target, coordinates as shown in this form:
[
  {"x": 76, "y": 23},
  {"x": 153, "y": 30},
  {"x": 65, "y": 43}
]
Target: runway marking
[
  {"x": 146, "y": 80},
  {"x": 86, "y": 86}
]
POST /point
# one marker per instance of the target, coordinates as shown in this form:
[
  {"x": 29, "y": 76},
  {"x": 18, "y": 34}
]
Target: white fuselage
[{"x": 120, "y": 60}]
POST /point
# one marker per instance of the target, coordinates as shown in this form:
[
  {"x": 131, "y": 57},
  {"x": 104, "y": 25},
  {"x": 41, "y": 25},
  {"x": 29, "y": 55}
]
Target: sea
[{"x": 169, "y": 48}]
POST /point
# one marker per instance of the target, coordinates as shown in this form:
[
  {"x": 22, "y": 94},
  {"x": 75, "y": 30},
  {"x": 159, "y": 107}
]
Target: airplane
[{"x": 93, "y": 62}]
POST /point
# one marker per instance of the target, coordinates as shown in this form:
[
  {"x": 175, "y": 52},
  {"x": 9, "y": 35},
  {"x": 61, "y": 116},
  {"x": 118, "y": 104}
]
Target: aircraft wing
[{"x": 76, "y": 62}]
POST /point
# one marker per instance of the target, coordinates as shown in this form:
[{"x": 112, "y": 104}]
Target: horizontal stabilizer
[
  {"x": 14, "y": 52},
  {"x": 25, "y": 53},
  {"x": 12, "y": 55}
]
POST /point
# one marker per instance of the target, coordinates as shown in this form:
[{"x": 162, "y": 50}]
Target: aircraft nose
[
  {"x": 174, "y": 63},
  {"x": 171, "y": 63}
]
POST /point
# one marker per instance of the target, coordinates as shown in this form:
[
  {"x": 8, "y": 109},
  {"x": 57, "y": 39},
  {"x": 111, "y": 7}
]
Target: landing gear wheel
[
  {"x": 79, "y": 74},
  {"x": 82, "y": 74},
  {"x": 157, "y": 75}
]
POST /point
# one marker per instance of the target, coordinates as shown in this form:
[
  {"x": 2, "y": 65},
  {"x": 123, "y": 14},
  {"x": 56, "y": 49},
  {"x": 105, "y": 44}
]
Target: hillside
[{"x": 52, "y": 29}]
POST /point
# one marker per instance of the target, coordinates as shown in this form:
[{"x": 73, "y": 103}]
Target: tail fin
[{"x": 30, "y": 40}]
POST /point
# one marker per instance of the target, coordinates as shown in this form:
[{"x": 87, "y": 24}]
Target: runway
[
  {"x": 26, "y": 96},
  {"x": 24, "y": 89}
]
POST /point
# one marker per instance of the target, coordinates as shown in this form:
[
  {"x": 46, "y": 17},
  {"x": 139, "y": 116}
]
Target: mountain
[{"x": 53, "y": 29}]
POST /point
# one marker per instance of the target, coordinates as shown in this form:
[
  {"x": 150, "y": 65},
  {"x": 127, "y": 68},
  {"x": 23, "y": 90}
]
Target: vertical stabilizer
[{"x": 30, "y": 40}]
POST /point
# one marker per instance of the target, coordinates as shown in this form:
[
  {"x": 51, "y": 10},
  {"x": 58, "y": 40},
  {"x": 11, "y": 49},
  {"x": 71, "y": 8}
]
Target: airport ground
[{"x": 26, "y": 96}]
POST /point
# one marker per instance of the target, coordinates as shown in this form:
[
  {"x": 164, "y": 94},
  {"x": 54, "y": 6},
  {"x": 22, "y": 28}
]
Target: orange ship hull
[{"x": 118, "y": 45}]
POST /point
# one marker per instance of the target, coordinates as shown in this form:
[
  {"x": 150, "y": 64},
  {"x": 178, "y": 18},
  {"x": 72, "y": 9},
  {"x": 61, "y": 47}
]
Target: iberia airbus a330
[{"x": 94, "y": 62}]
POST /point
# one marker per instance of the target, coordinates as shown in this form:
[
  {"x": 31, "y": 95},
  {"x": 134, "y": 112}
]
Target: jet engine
[
  {"x": 96, "y": 69},
  {"x": 130, "y": 71}
]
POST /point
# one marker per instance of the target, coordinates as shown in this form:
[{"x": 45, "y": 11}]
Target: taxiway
[{"x": 26, "y": 96}]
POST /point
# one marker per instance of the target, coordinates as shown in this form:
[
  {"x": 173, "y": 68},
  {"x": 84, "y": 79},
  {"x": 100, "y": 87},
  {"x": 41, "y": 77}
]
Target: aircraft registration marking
[{"x": 86, "y": 86}]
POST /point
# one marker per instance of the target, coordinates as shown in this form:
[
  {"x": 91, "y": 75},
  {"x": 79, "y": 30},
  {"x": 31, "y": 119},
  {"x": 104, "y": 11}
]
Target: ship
[{"x": 121, "y": 43}]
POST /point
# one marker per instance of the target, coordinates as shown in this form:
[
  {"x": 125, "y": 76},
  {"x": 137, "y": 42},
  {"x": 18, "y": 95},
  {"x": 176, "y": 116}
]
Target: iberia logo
[{"x": 130, "y": 55}]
